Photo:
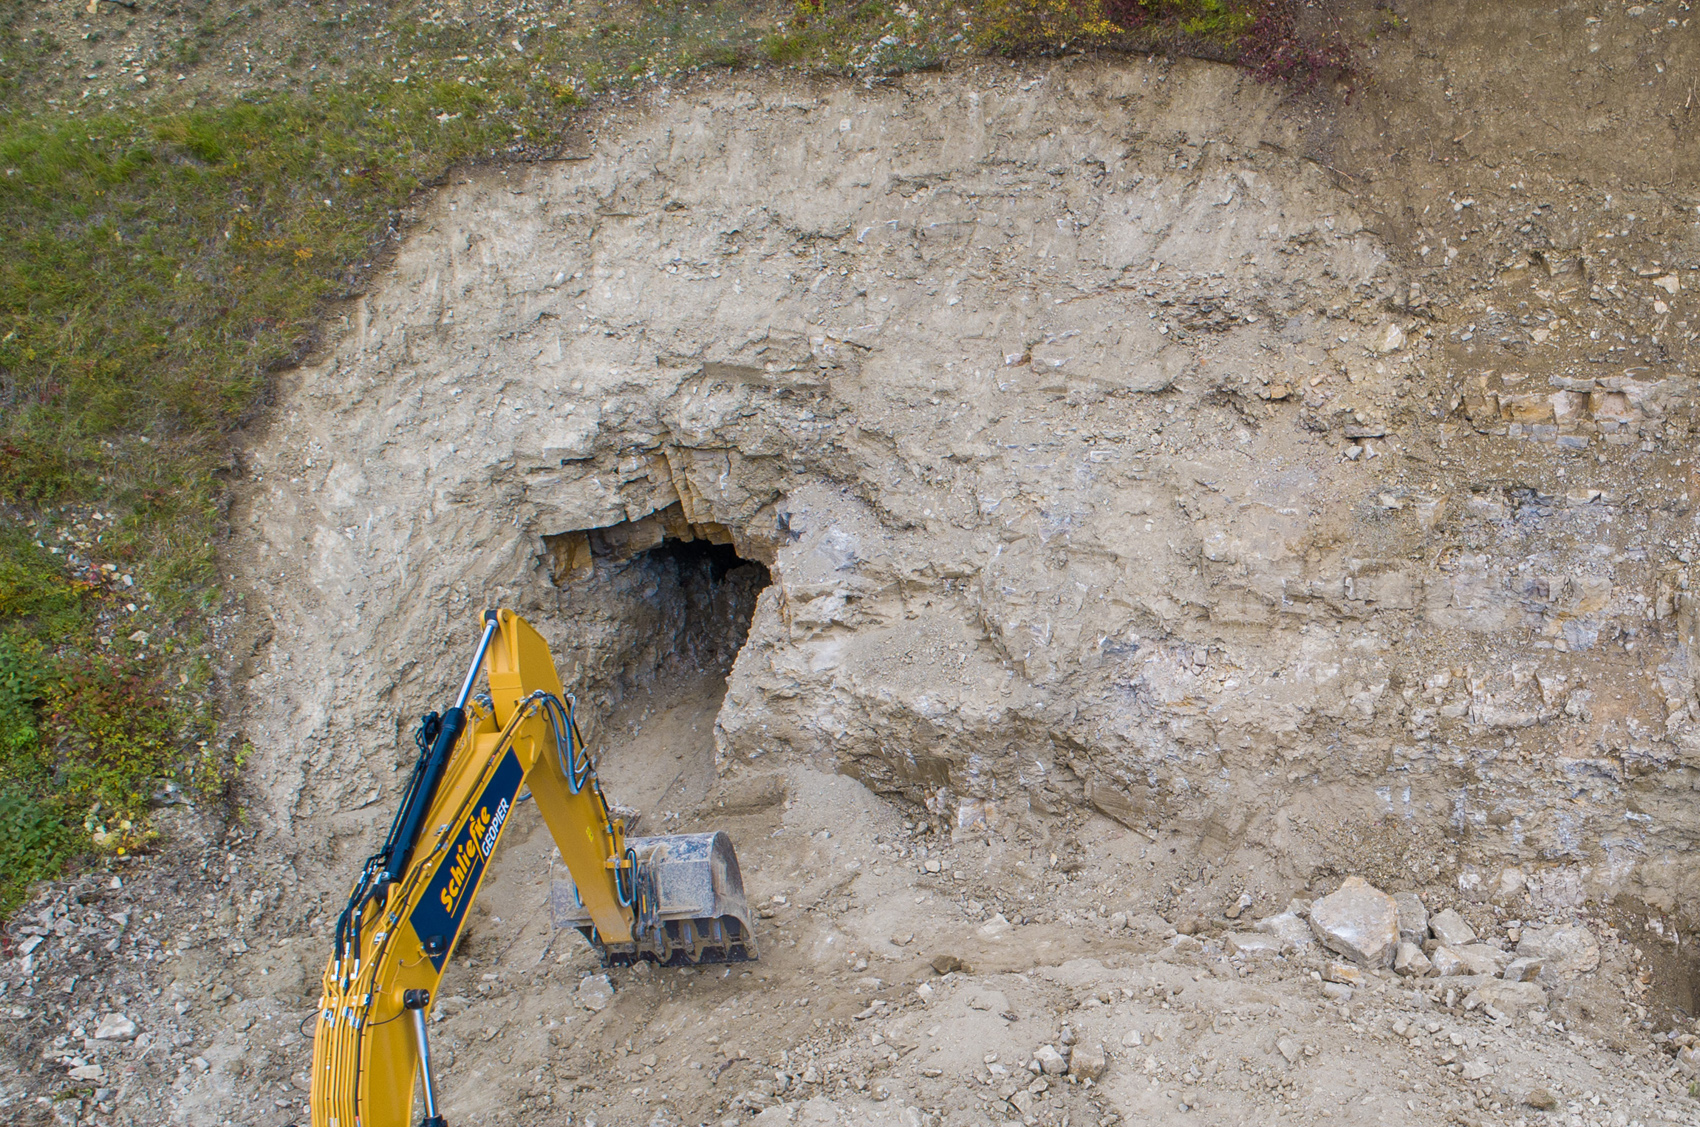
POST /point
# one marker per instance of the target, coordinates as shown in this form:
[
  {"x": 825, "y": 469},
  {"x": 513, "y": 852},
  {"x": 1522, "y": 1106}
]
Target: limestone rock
[
  {"x": 1087, "y": 1062},
  {"x": 115, "y": 1027},
  {"x": 1567, "y": 951},
  {"x": 1508, "y": 884},
  {"x": 1452, "y": 929},
  {"x": 1289, "y": 929},
  {"x": 1251, "y": 944},
  {"x": 1511, "y": 998},
  {"x": 1360, "y": 921},
  {"x": 1479, "y": 958},
  {"x": 1410, "y": 961},
  {"x": 596, "y": 992},
  {"x": 1447, "y": 962},
  {"x": 1344, "y": 973},
  {"x": 1413, "y": 917},
  {"x": 1522, "y": 970},
  {"x": 1051, "y": 1062},
  {"x": 1337, "y": 992},
  {"x": 1541, "y": 1100}
]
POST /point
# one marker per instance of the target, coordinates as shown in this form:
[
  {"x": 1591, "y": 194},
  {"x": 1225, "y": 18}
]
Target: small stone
[
  {"x": 932, "y": 865},
  {"x": 115, "y": 1027},
  {"x": 1087, "y": 1062},
  {"x": 1239, "y": 906},
  {"x": 1476, "y": 1070},
  {"x": 1541, "y": 1100},
  {"x": 1567, "y": 951},
  {"x": 1446, "y": 962},
  {"x": 1359, "y": 921},
  {"x": 1289, "y": 1048},
  {"x": 1344, "y": 973},
  {"x": 1133, "y": 1039},
  {"x": 595, "y": 992},
  {"x": 944, "y": 964},
  {"x": 1051, "y": 1062},
  {"x": 1252, "y": 945},
  {"x": 1337, "y": 992},
  {"x": 1522, "y": 970},
  {"x": 87, "y": 1072},
  {"x": 1452, "y": 929},
  {"x": 1410, "y": 961},
  {"x": 1413, "y": 917}
]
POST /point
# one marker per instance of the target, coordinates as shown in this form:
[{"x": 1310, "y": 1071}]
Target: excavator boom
[{"x": 667, "y": 899}]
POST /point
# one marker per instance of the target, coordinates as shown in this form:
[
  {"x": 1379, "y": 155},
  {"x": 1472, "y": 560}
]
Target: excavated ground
[{"x": 1148, "y": 502}]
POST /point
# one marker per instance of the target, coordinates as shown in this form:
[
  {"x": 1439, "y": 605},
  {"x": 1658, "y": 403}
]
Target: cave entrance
[{"x": 675, "y": 601}]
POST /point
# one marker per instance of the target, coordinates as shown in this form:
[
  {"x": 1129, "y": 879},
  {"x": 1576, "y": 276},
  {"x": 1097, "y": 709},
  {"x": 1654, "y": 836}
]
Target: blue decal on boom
[{"x": 436, "y": 919}]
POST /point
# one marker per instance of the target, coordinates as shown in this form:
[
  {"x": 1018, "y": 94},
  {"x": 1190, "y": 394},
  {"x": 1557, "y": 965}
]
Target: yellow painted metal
[{"x": 364, "y": 1051}]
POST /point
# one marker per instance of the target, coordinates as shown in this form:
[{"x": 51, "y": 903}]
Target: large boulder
[{"x": 1360, "y": 921}]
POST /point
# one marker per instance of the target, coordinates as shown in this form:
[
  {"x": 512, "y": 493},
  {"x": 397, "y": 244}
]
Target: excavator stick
[
  {"x": 692, "y": 908},
  {"x": 670, "y": 899}
]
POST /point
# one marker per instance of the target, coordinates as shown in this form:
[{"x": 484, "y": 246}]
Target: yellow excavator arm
[{"x": 668, "y": 899}]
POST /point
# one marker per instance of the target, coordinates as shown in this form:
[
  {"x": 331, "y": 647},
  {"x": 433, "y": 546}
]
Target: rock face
[
  {"x": 1565, "y": 951},
  {"x": 1040, "y": 536},
  {"x": 1359, "y": 921}
]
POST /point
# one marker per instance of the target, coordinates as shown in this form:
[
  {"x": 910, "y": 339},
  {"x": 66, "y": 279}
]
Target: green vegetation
[{"x": 161, "y": 254}]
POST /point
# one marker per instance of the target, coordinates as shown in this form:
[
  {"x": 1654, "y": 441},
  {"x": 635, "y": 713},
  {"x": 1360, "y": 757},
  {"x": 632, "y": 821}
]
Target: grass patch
[{"x": 160, "y": 255}]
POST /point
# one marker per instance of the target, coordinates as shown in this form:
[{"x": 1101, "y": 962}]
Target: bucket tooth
[{"x": 700, "y": 913}]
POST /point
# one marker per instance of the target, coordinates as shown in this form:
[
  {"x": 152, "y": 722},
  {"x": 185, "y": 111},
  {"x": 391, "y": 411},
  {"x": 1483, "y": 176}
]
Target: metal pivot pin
[{"x": 417, "y": 1000}]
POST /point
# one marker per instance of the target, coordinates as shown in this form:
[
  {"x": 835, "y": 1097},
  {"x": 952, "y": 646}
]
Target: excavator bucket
[{"x": 690, "y": 905}]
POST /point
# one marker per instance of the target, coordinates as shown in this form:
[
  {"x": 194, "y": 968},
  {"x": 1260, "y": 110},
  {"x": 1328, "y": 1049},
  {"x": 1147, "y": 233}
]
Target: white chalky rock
[
  {"x": 115, "y": 1027},
  {"x": 1511, "y": 998},
  {"x": 1410, "y": 961},
  {"x": 1359, "y": 921},
  {"x": 596, "y": 992},
  {"x": 1413, "y": 917},
  {"x": 1451, "y": 929},
  {"x": 1050, "y": 1061},
  {"x": 1252, "y": 945},
  {"x": 1289, "y": 929},
  {"x": 1447, "y": 962},
  {"x": 1479, "y": 958},
  {"x": 1566, "y": 951}
]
